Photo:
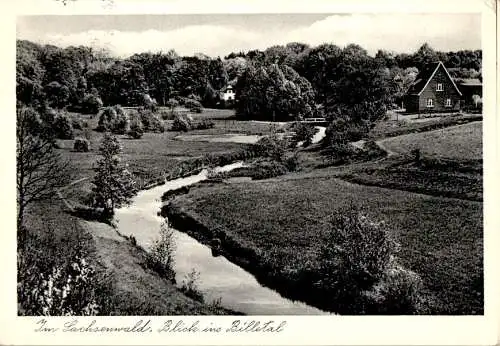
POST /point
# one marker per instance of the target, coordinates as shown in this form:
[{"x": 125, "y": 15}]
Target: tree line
[{"x": 297, "y": 75}]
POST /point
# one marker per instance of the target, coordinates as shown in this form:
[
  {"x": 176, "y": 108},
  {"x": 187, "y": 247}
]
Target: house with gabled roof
[{"x": 433, "y": 91}]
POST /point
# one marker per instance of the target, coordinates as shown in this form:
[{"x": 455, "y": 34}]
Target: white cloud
[
  {"x": 399, "y": 32},
  {"x": 209, "y": 39}
]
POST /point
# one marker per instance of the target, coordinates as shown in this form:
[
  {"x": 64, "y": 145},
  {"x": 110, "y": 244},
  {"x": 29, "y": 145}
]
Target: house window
[
  {"x": 430, "y": 103},
  {"x": 448, "y": 103},
  {"x": 439, "y": 87}
]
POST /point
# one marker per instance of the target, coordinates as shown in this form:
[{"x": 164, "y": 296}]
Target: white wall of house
[{"x": 228, "y": 94}]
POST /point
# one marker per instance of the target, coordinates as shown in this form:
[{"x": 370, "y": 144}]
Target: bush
[
  {"x": 346, "y": 129},
  {"x": 156, "y": 125},
  {"x": 62, "y": 126},
  {"x": 172, "y": 103},
  {"x": 204, "y": 125},
  {"x": 149, "y": 103},
  {"x": 113, "y": 119},
  {"x": 167, "y": 115},
  {"x": 91, "y": 104},
  {"x": 55, "y": 282},
  {"x": 193, "y": 105},
  {"x": 81, "y": 145},
  {"x": 190, "y": 286},
  {"x": 121, "y": 122},
  {"x": 292, "y": 162},
  {"x": 34, "y": 122},
  {"x": 136, "y": 129},
  {"x": 398, "y": 293},
  {"x": 271, "y": 146},
  {"x": 355, "y": 257},
  {"x": 151, "y": 121},
  {"x": 182, "y": 123},
  {"x": 161, "y": 255},
  {"x": 303, "y": 133}
]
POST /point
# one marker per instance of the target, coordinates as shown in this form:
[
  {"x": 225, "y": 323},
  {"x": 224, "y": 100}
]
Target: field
[
  {"x": 462, "y": 142},
  {"x": 392, "y": 128},
  {"x": 274, "y": 220},
  {"x": 432, "y": 206},
  {"x": 155, "y": 153}
]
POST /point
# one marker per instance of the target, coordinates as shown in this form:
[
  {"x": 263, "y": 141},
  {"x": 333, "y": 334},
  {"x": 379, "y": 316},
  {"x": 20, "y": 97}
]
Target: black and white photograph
[{"x": 249, "y": 164}]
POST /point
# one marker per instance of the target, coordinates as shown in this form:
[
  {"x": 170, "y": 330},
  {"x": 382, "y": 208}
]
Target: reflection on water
[
  {"x": 225, "y": 138},
  {"x": 219, "y": 278}
]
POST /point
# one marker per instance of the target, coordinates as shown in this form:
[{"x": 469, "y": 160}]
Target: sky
[{"x": 219, "y": 35}]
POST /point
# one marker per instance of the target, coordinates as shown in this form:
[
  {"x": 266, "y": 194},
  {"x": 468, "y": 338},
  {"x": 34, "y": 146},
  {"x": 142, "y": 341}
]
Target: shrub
[
  {"x": 149, "y": 103},
  {"x": 398, "y": 293},
  {"x": 60, "y": 290},
  {"x": 81, "y": 145},
  {"x": 62, "y": 126},
  {"x": 168, "y": 115},
  {"x": 193, "y": 105},
  {"x": 136, "y": 129},
  {"x": 151, "y": 121},
  {"x": 303, "y": 133},
  {"x": 113, "y": 119},
  {"x": 346, "y": 129},
  {"x": 271, "y": 146},
  {"x": 156, "y": 125},
  {"x": 190, "y": 286},
  {"x": 91, "y": 104},
  {"x": 355, "y": 256},
  {"x": 172, "y": 103},
  {"x": 121, "y": 122},
  {"x": 182, "y": 123},
  {"x": 204, "y": 125},
  {"x": 161, "y": 255},
  {"x": 292, "y": 162}
]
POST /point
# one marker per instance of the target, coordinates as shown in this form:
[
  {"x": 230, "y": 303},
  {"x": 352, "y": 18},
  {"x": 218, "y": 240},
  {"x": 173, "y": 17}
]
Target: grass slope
[
  {"x": 463, "y": 142},
  {"x": 125, "y": 285}
]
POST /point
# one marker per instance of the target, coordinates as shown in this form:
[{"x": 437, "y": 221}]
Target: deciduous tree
[{"x": 40, "y": 169}]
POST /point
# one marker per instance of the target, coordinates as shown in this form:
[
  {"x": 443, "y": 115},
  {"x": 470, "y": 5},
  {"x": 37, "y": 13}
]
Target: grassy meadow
[
  {"x": 432, "y": 207},
  {"x": 276, "y": 219},
  {"x": 151, "y": 156},
  {"x": 462, "y": 142}
]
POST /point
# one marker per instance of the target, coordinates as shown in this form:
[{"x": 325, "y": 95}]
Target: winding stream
[{"x": 219, "y": 278}]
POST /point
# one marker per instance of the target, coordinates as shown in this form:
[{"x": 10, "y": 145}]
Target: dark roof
[{"x": 425, "y": 75}]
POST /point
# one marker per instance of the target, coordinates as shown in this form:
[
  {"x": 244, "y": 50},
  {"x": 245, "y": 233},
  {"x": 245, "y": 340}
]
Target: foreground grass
[{"x": 274, "y": 220}]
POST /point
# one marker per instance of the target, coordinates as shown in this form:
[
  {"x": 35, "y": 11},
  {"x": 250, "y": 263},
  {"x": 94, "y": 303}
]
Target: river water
[{"x": 218, "y": 277}]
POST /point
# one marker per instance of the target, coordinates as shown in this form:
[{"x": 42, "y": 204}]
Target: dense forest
[{"x": 282, "y": 82}]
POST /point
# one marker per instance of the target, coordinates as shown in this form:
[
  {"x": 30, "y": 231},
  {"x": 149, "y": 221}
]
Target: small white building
[{"x": 228, "y": 93}]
